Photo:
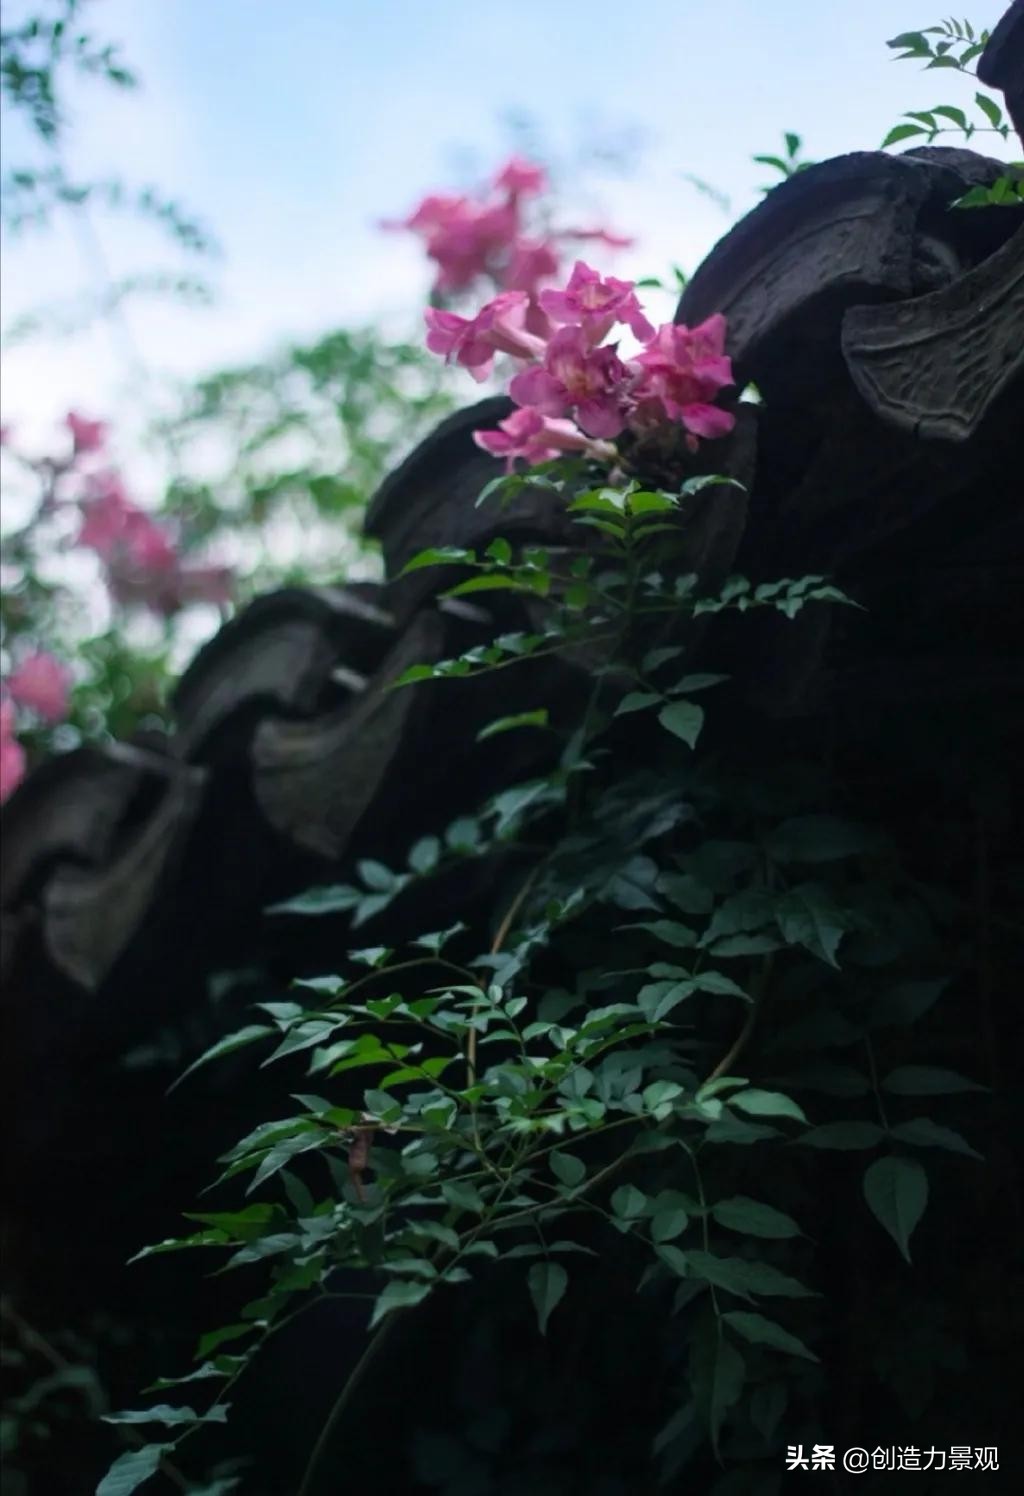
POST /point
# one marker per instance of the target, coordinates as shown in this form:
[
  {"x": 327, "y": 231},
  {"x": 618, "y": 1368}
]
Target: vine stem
[
  {"x": 343, "y": 1399},
  {"x": 742, "y": 1039},
  {"x": 388, "y": 971},
  {"x": 500, "y": 937}
]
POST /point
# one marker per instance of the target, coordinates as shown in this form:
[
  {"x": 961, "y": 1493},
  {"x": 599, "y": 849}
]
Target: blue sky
[{"x": 292, "y": 128}]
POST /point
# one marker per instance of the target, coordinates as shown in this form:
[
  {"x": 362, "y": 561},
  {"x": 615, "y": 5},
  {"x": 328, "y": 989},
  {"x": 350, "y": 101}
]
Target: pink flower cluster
[
  {"x": 140, "y": 559},
  {"x": 142, "y": 562},
  {"x": 469, "y": 238},
  {"x": 40, "y": 685},
  {"x": 575, "y": 392}
]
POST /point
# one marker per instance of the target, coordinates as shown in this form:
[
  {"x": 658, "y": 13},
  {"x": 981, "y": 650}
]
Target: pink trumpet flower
[
  {"x": 499, "y": 327},
  {"x": 596, "y": 305},
  {"x": 533, "y": 437},
  {"x": 576, "y": 377}
]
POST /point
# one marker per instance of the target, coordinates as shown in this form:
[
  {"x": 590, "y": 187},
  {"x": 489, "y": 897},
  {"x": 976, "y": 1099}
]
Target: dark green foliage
[{"x": 708, "y": 983}]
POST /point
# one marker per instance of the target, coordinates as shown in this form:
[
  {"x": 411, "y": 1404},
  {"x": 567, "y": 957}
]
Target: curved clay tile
[
  {"x": 315, "y": 779},
  {"x": 277, "y": 655},
  {"x": 90, "y": 915},
  {"x": 834, "y": 235},
  {"x": 1001, "y": 65},
  {"x": 87, "y": 843}
]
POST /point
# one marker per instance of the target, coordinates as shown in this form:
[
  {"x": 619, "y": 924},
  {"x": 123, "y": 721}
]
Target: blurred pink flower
[
  {"x": 88, "y": 436},
  {"x": 532, "y": 261},
  {"x": 465, "y": 239},
  {"x": 470, "y": 242},
  {"x": 141, "y": 561},
  {"x": 499, "y": 327},
  {"x": 576, "y": 377},
  {"x": 12, "y": 754},
  {"x": 117, "y": 529},
  {"x": 41, "y": 683},
  {"x": 521, "y": 177},
  {"x": 531, "y": 436},
  {"x": 596, "y": 305},
  {"x": 105, "y": 509},
  {"x": 5, "y": 435},
  {"x": 147, "y": 544},
  {"x": 434, "y": 212}
]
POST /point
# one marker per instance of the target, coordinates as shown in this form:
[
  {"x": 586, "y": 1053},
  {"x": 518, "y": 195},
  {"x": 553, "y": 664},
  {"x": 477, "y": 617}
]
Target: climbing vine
[
  {"x": 691, "y": 967},
  {"x": 700, "y": 974}
]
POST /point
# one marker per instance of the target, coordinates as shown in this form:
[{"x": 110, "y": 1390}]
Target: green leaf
[
  {"x": 745, "y": 945},
  {"x": 130, "y": 1470},
  {"x": 213, "y": 1338},
  {"x": 668, "y": 931},
  {"x": 668, "y": 1223},
  {"x": 767, "y": 1104},
  {"x": 990, "y": 109},
  {"x": 436, "y": 941},
  {"x": 915, "y": 40},
  {"x": 761, "y": 1331},
  {"x": 818, "y": 839},
  {"x": 228, "y": 1045},
  {"x": 843, "y": 1135},
  {"x": 807, "y": 916},
  {"x": 566, "y": 1167},
  {"x": 182, "y": 1244},
  {"x": 659, "y": 1096},
  {"x": 380, "y": 1104},
  {"x": 637, "y": 701},
  {"x": 902, "y": 132},
  {"x": 657, "y": 999},
  {"x": 657, "y": 657},
  {"x": 418, "y": 1267},
  {"x": 425, "y": 854},
  {"x": 501, "y": 581},
  {"x": 696, "y": 683},
  {"x": 717, "y": 1372},
  {"x": 464, "y": 1196},
  {"x": 684, "y": 719},
  {"x": 448, "y": 555},
  {"x": 283, "y": 1152},
  {"x": 436, "y": 1231},
  {"x": 334, "y": 898},
  {"x": 375, "y": 875},
  {"x": 751, "y": 1218},
  {"x": 401, "y": 1293},
  {"x": 896, "y": 1190},
  {"x": 927, "y": 1080},
  {"x": 949, "y": 111},
  {"x": 651, "y": 501},
  {"x": 922, "y": 1132},
  {"x": 547, "y": 1283},
  {"x": 740, "y": 1276},
  {"x": 170, "y": 1417},
  {"x": 224, "y": 1366},
  {"x": 628, "y": 1202},
  {"x": 536, "y": 718}
]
